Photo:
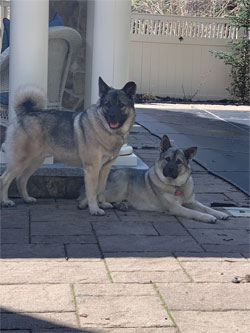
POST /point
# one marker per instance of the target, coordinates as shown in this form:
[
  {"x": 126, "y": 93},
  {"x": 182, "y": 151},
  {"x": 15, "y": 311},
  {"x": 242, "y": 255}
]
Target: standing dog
[
  {"x": 91, "y": 139},
  {"x": 165, "y": 187}
]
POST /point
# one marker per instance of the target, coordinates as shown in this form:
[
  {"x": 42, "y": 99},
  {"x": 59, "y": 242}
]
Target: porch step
[{"x": 59, "y": 180}]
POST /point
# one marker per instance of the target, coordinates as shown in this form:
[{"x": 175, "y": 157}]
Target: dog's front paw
[
  {"x": 122, "y": 206},
  {"x": 82, "y": 204},
  {"x": 208, "y": 218},
  {"x": 29, "y": 200},
  {"x": 106, "y": 205},
  {"x": 96, "y": 212},
  {"x": 8, "y": 203},
  {"x": 221, "y": 216}
]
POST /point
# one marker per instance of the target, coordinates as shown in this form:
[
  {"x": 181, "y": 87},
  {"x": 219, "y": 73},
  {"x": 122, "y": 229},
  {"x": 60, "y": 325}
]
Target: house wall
[
  {"x": 74, "y": 14},
  {"x": 169, "y": 56}
]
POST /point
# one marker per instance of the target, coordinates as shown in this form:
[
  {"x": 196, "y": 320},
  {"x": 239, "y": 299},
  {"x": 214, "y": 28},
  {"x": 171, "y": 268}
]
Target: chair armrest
[
  {"x": 68, "y": 34},
  {"x": 4, "y": 59}
]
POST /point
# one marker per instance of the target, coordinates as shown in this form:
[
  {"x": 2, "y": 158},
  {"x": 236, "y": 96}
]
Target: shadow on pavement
[
  {"x": 19, "y": 321},
  {"x": 65, "y": 233},
  {"x": 223, "y": 147}
]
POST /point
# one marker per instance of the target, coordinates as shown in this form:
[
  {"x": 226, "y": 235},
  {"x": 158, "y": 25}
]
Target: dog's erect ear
[
  {"x": 130, "y": 90},
  {"x": 103, "y": 87},
  {"x": 165, "y": 144},
  {"x": 190, "y": 152}
]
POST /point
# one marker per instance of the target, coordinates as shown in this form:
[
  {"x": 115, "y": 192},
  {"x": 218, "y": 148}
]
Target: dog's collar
[{"x": 178, "y": 192}]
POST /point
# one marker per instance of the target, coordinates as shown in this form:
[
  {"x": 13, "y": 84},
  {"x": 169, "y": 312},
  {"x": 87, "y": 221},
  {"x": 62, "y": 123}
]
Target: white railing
[
  {"x": 4, "y": 12},
  {"x": 180, "y": 26}
]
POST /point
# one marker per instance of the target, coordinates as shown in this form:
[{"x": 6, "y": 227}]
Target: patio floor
[{"x": 135, "y": 272}]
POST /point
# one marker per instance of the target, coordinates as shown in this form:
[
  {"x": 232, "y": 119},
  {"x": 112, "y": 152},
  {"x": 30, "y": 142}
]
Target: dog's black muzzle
[
  {"x": 115, "y": 118},
  {"x": 170, "y": 171}
]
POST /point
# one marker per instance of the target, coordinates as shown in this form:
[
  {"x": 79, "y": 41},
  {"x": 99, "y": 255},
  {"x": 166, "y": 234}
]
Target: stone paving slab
[
  {"x": 210, "y": 256},
  {"x": 125, "y": 311},
  {"x": 156, "y": 217},
  {"x": 138, "y": 330},
  {"x": 41, "y": 214},
  {"x": 216, "y": 271},
  {"x": 227, "y": 248},
  {"x": 232, "y": 223},
  {"x": 145, "y": 270},
  {"x": 232, "y": 240},
  {"x": 33, "y": 251},
  {"x": 170, "y": 228},
  {"x": 114, "y": 289},
  {"x": 124, "y": 228},
  {"x": 208, "y": 198},
  {"x": 239, "y": 197},
  {"x": 14, "y": 218},
  {"x": 38, "y": 321},
  {"x": 62, "y": 330},
  {"x": 15, "y": 331},
  {"x": 205, "y": 296},
  {"x": 15, "y": 236},
  {"x": 211, "y": 322},
  {"x": 147, "y": 243},
  {"x": 171, "y": 274},
  {"x": 63, "y": 239},
  {"x": 83, "y": 252},
  {"x": 167, "y": 255},
  {"x": 37, "y": 298},
  {"x": 53, "y": 272},
  {"x": 61, "y": 228},
  {"x": 213, "y": 188}
]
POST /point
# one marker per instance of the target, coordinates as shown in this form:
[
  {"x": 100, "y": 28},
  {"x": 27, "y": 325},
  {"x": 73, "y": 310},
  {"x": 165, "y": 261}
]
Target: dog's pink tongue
[{"x": 114, "y": 125}]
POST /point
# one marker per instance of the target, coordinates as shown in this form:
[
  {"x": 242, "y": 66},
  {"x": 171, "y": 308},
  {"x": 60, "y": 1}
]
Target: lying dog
[
  {"x": 91, "y": 139},
  {"x": 165, "y": 187}
]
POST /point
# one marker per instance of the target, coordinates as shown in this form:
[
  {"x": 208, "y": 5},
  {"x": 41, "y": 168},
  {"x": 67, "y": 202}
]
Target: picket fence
[{"x": 170, "y": 56}]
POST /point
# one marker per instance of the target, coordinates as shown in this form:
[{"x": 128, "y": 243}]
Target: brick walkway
[{"x": 136, "y": 272}]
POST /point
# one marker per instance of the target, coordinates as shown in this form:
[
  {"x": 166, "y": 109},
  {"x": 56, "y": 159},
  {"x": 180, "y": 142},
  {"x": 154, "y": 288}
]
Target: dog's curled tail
[{"x": 30, "y": 98}]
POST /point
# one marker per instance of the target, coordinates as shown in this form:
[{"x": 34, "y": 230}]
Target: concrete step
[{"x": 59, "y": 180}]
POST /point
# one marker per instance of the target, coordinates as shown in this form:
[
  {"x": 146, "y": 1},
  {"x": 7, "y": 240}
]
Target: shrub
[{"x": 239, "y": 58}]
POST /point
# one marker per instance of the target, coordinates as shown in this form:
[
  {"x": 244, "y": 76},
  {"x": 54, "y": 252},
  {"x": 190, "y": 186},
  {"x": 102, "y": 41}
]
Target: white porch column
[
  {"x": 108, "y": 32},
  {"x": 108, "y": 35},
  {"x": 28, "y": 45}
]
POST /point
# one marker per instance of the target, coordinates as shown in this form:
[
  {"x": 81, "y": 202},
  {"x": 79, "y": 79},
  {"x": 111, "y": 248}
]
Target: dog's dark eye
[
  {"x": 121, "y": 104},
  {"x": 107, "y": 104},
  {"x": 167, "y": 159},
  {"x": 178, "y": 161}
]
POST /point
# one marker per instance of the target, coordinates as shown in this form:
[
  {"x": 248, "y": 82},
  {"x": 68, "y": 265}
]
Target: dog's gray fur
[
  {"x": 165, "y": 187},
  {"x": 91, "y": 139}
]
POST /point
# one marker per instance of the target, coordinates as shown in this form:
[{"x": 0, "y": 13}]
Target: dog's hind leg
[
  {"x": 11, "y": 173},
  {"x": 22, "y": 180},
  {"x": 82, "y": 201},
  {"x": 122, "y": 206},
  {"x": 117, "y": 194}
]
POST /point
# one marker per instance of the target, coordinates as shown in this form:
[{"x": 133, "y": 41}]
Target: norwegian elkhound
[
  {"x": 165, "y": 187},
  {"x": 91, "y": 139}
]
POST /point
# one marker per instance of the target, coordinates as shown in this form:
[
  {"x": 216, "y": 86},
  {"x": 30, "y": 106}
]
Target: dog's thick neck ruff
[
  {"x": 160, "y": 180},
  {"x": 178, "y": 190}
]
